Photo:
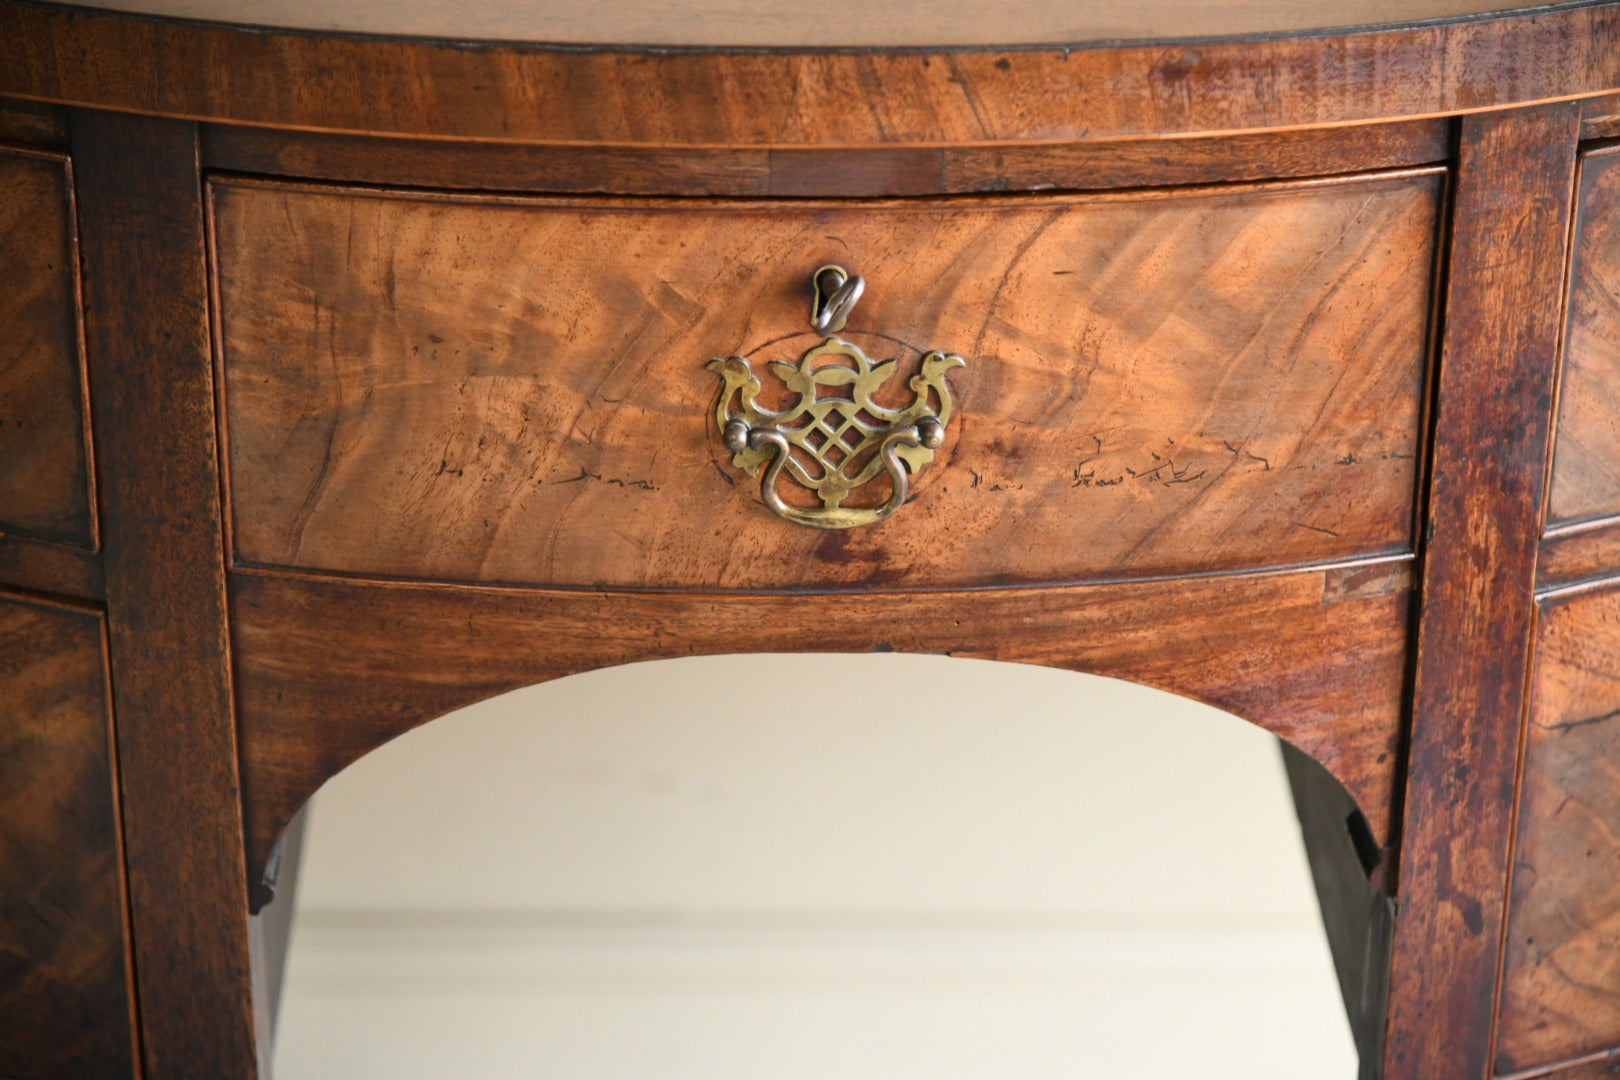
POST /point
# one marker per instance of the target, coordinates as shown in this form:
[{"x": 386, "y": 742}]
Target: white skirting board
[{"x": 478, "y": 994}]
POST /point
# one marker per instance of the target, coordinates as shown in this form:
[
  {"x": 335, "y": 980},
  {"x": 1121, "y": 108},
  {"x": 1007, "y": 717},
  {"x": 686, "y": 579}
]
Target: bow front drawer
[{"x": 523, "y": 390}]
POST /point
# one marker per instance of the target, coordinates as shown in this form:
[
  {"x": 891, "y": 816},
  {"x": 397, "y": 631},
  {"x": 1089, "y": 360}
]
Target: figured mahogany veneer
[
  {"x": 463, "y": 389},
  {"x": 395, "y": 356},
  {"x": 1583, "y": 515},
  {"x": 45, "y": 490},
  {"x": 1577, "y": 554},
  {"x": 1561, "y": 987},
  {"x": 66, "y": 1011},
  {"x": 1595, "y": 1067},
  {"x": 332, "y": 669},
  {"x": 1586, "y": 459},
  {"x": 795, "y": 90}
]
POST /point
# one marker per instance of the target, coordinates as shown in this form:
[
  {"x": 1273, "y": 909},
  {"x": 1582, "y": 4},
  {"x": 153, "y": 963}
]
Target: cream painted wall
[{"x": 870, "y": 866}]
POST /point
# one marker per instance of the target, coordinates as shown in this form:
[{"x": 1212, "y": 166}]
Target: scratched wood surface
[
  {"x": 1586, "y": 454},
  {"x": 152, "y": 396},
  {"x": 805, "y": 96},
  {"x": 44, "y": 482},
  {"x": 327, "y": 669},
  {"x": 463, "y": 389},
  {"x": 1498, "y": 367},
  {"x": 1561, "y": 981},
  {"x": 65, "y": 1001}
]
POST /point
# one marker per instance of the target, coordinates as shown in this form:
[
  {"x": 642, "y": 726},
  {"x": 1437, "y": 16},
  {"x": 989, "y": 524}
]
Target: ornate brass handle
[
  {"x": 835, "y": 438},
  {"x": 927, "y": 432}
]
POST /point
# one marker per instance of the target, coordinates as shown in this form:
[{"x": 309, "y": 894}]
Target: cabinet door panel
[
  {"x": 1586, "y": 455},
  {"x": 65, "y": 1001},
  {"x": 1561, "y": 986},
  {"x": 45, "y": 488}
]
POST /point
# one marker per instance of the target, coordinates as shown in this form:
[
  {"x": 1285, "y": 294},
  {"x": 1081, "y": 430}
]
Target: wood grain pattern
[
  {"x": 1581, "y": 553},
  {"x": 328, "y": 670},
  {"x": 461, "y": 389},
  {"x": 45, "y": 488},
  {"x": 66, "y": 1008},
  {"x": 40, "y": 125},
  {"x": 153, "y": 396},
  {"x": 808, "y": 173},
  {"x": 802, "y": 98},
  {"x": 1586, "y": 455},
  {"x": 1603, "y": 1066},
  {"x": 781, "y": 24},
  {"x": 43, "y": 567},
  {"x": 1561, "y": 981},
  {"x": 1515, "y": 177},
  {"x": 1196, "y": 317},
  {"x": 1600, "y": 117}
]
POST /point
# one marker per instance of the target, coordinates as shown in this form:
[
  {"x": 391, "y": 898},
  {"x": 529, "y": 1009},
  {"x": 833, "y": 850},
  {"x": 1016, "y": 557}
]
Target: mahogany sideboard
[{"x": 361, "y": 361}]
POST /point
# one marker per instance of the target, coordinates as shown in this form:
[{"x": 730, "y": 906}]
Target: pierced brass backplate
[{"x": 835, "y": 438}]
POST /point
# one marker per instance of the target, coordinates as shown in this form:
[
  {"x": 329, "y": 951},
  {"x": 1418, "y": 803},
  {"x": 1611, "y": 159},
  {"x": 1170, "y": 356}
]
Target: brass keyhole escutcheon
[{"x": 836, "y": 291}]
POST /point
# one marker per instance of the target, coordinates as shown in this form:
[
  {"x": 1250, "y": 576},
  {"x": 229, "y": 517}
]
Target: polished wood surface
[
  {"x": 66, "y": 1006},
  {"x": 1586, "y": 458},
  {"x": 1497, "y": 369},
  {"x": 1236, "y": 277},
  {"x": 1561, "y": 983},
  {"x": 1598, "y": 1067},
  {"x": 802, "y": 172},
  {"x": 785, "y": 24},
  {"x": 460, "y": 389},
  {"x": 45, "y": 488},
  {"x": 37, "y": 126},
  {"x": 802, "y": 97},
  {"x": 330, "y": 669},
  {"x": 152, "y": 399},
  {"x": 1579, "y": 553},
  {"x": 46, "y": 567},
  {"x": 1600, "y": 117}
]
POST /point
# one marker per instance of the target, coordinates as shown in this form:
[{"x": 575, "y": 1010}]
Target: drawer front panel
[
  {"x": 44, "y": 479},
  {"x": 65, "y": 996},
  {"x": 1561, "y": 984},
  {"x": 1586, "y": 453},
  {"x": 514, "y": 390}
]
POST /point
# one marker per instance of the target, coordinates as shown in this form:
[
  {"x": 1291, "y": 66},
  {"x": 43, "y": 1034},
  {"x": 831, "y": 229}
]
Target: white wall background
[{"x": 783, "y": 867}]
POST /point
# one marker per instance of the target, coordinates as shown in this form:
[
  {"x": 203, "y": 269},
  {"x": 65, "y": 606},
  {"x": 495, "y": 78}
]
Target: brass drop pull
[{"x": 835, "y": 438}]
